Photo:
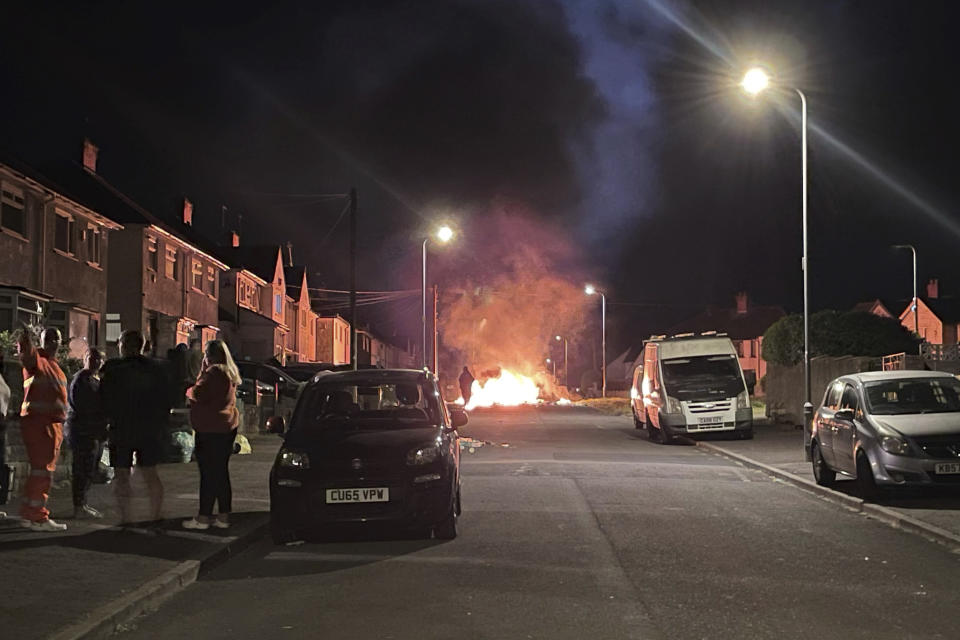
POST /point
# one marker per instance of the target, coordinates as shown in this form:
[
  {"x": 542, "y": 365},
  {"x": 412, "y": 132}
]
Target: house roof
[
  {"x": 93, "y": 191},
  {"x": 872, "y": 306},
  {"x": 739, "y": 326},
  {"x": 260, "y": 260}
]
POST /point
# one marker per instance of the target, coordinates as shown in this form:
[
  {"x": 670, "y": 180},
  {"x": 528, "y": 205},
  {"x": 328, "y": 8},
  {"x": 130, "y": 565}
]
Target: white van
[{"x": 690, "y": 384}]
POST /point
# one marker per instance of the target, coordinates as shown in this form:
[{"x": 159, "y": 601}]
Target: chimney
[
  {"x": 187, "y": 212},
  {"x": 90, "y": 151},
  {"x": 933, "y": 288},
  {"x": 742, "y": 302},
  {"x": 234, "y": 239},
  {"x": 289, "y": 254}
]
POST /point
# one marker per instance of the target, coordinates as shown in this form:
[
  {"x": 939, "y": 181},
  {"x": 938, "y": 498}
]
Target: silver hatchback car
[{"x": 888, "y": 428}]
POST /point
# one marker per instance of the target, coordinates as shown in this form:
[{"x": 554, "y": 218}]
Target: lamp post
[
  {"x": 754, "y": 82},
  {"x": 443, "y": 235},
  {"x": 591, "y": 290},
  {"x": 566, "y": 363},
  {"x": 916, "y": 318},
  {"x": 554, "y": 363}
]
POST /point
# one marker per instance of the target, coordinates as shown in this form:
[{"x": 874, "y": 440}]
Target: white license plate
[
  {"x": 710, "y": 420},
  {"x": 369, "y": 494},
  {"x": 948, "y": 468}
]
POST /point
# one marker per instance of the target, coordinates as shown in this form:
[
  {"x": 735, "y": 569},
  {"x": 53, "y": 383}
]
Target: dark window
[
  {"x": 152, "y": 259},
  {"x": 93, "y": 245},
  {"x": 197, "y": 279},
  {"x": 849, "y": 399},
  {"x": 211, "y": 281},
  {"x": 63, "y": 234},
  {"x": 12, "y": 214},
  {"x": 171, "y": 267}
]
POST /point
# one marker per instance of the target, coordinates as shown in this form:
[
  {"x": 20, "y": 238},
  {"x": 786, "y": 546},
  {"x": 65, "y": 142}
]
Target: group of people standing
[{"x": 124, "y": 404}]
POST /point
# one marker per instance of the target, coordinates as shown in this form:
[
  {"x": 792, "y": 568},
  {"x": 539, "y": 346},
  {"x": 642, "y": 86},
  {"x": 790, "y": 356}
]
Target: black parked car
[{"x": 370, "y": 446}]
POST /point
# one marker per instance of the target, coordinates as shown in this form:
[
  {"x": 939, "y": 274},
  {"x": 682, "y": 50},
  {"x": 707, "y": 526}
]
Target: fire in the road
[{"x": 509, "y": 389}]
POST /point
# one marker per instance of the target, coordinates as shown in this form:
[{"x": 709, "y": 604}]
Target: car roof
[
  {"x": 368, "y": 375},
  {"x": 877, "y": 376}
]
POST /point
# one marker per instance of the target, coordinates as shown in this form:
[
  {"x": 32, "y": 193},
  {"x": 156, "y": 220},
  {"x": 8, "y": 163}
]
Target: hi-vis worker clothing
[{"x": 42, "y": 414}]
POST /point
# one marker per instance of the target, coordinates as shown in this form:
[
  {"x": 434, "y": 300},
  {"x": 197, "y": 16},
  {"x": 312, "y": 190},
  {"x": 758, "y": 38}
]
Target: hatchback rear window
[{"x": 377, "y": 405}]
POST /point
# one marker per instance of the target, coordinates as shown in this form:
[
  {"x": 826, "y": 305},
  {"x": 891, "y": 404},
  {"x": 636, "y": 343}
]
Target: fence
[{"x": 784, "y": 385}]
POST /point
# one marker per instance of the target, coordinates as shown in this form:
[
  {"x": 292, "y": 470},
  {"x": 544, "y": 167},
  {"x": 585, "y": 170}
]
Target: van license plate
[
  {"x": 948, "y": 468},
  {"x": 374, "y": 494},
  {"x": 710, "y": 420}
]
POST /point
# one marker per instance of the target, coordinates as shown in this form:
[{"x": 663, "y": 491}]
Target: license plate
[
  {"x": 710, "y": 420},
  {"x": 374, "y": 494},
  {"x": 948, "y": 468}
]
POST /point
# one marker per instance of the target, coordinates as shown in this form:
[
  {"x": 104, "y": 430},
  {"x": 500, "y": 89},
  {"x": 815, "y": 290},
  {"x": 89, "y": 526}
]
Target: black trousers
[
  {"x": 213, "y": 452},
  {"x": 87, "y": 450}
]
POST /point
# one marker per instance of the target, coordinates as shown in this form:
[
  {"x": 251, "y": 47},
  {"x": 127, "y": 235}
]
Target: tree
[{"x": 835, "y": 333}]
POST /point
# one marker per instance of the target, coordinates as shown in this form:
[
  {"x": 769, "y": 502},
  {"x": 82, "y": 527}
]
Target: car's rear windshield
[
  {"x": 378, "y": 404},
  {"x": 301, "y": 375},
  {"x": 703, "y": 377},
  {"x": 913, "y": 395}
]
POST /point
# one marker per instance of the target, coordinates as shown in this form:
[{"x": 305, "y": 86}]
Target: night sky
[{"x": 615, "y": 124}]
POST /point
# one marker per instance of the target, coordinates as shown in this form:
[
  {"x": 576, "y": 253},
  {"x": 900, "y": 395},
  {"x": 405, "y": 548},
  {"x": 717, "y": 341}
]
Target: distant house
[
  {"x": 333, "y": 340},
  {"x": 53, "y": 258},
  {"x": 745, "y": 324},
  {"x": 938, "y": 317},
  {"x": 303, "y": 321},
  {"x": 875, "y": 306},
  {"x": 253, "y": 302}
]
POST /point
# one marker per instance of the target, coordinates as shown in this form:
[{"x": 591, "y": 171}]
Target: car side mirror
[
  {"x": 275, "y": 425},
  {"x": 844, "y": 414},
  {"x": 458, "y": 417}
]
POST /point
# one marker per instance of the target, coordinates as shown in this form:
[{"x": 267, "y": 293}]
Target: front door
[{"x": 826, "y": 424}]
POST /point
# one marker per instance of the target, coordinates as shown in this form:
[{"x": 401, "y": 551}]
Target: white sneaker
[
  {"x": 47, "y": 525},
  {"x": 221, "y": 524},
  {"x": 3, "y": 515},
  {"x": 86, "y": 512},
  {"x": 193, "y": 523}
]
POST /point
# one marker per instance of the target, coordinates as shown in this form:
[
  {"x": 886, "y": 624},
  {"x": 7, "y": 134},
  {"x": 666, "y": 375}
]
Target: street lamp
[
  {"x": 566, "y": 363},
  {"x": 916, "y": 319},
  {"x": 754, "y": 82},
  {"x": 591, "y": 290},
  {"x": 554, "y": 363},
  {"x": 443, "y": 235}
]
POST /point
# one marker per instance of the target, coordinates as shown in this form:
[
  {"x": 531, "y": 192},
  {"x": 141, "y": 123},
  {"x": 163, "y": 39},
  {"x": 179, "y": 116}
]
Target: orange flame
[{"x": 509, "y": 389}]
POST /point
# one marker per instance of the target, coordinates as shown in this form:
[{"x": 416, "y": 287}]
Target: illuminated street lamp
[
  {"x": 566, "y": 363},
  {"x": 591, "y": 290},
  {"x": 554, "y": 363},
  {"x": 756, "y": 81},
  {"x": 443, "y": 235}
]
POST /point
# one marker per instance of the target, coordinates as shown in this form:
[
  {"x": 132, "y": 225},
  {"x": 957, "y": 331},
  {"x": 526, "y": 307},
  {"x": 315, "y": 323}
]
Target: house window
[
  {"x": 197, "y": 278},
  {"x": 113, "y": 327},
  {"x": 172, "y": 266},
  {"x": 93, "y": 244},
  {"x": 211, "y": 281},
  {"x": 63, "y": 233},
  {"x": 12, "y": 216},
  {"x": 277, "y": 303},
  {"x": 152, "y": 259}
]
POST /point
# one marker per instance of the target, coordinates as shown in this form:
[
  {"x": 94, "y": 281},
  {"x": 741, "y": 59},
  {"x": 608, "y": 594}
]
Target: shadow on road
[{"x": 328, "y": 553}]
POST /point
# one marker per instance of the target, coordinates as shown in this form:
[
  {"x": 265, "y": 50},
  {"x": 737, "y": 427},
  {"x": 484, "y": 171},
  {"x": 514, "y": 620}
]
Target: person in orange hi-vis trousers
[{"x": 41, "y": 424}]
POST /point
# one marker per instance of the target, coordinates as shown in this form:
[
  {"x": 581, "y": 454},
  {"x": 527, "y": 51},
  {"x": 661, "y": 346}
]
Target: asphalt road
[{"x": 581, "y": 528}]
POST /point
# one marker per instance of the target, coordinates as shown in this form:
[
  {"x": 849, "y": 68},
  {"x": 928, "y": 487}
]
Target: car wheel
[
  {"x": 446, "y": 529},
  {"x": 823, "y": 474},
  {"x": 866, "y": 483},
  {"x": 745, "y": 435}
]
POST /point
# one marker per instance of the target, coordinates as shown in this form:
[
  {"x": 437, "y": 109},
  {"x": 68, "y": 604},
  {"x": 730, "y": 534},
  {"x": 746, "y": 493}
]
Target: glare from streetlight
[
  {"x": 559, "y": 338},
  {"x": 444, "y": 234},
  {"x": 755, "y": 81},
  {"x": 589, "y": 290},
  {"x": 548, "y": 360}
]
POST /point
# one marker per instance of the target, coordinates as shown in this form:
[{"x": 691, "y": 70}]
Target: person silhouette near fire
[{"x": 466, "y": 385}]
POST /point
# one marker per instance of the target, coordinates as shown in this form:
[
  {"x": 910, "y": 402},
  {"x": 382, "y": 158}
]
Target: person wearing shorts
[{"x": 134, "y": 391}]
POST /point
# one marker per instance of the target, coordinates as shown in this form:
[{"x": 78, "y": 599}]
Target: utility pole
[{"x": 353, "y": 278}]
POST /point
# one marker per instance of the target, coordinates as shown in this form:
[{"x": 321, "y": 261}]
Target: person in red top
[
  {"x": 214, "y": 416},
  {"x": 41, "y": 423}
]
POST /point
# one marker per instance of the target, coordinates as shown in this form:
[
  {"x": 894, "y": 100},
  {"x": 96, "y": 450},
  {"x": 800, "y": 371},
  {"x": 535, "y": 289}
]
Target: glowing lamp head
[
  {"x": 558, "y": 338},
  {"x": 445, "y": 234},
  {"x": 548, "y": 360},
  {"x": 589, "y": 290},
  {"x": 755, "y": 81}
]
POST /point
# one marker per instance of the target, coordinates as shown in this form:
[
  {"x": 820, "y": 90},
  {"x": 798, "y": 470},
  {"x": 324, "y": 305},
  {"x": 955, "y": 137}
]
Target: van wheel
[
  {"x": 636, "y": 420},
  {"x": 824, "y": 475},
  {"x": 866, "y": 483},
  {"x": 666, "y": 438}
]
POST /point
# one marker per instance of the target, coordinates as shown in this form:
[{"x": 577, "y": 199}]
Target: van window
[{"x": 703, "y": 378}]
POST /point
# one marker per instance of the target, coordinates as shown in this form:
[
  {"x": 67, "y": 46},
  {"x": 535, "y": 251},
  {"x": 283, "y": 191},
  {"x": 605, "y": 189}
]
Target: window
[
  {"x": 849, "y": 399},
  {"x": 211, "y": 281},
  {"x": 93, "y": 244},
  {"x": 12, "y": 216},
  {"x": 197, "y": 278},
  {"x": 63, "y": 233},
  {"x": 113, "y": 327},
  {"x": 832, "y": 399},
  {"x": 277, "y": 303},
  {"x": 152, "y": 259},
  {"x": 172, "y": 264}
]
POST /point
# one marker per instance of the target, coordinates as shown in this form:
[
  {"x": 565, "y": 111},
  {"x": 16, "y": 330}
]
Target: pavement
[
  {"x": 88, "y": 581},
  {"x": 778, "y": 450}
]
